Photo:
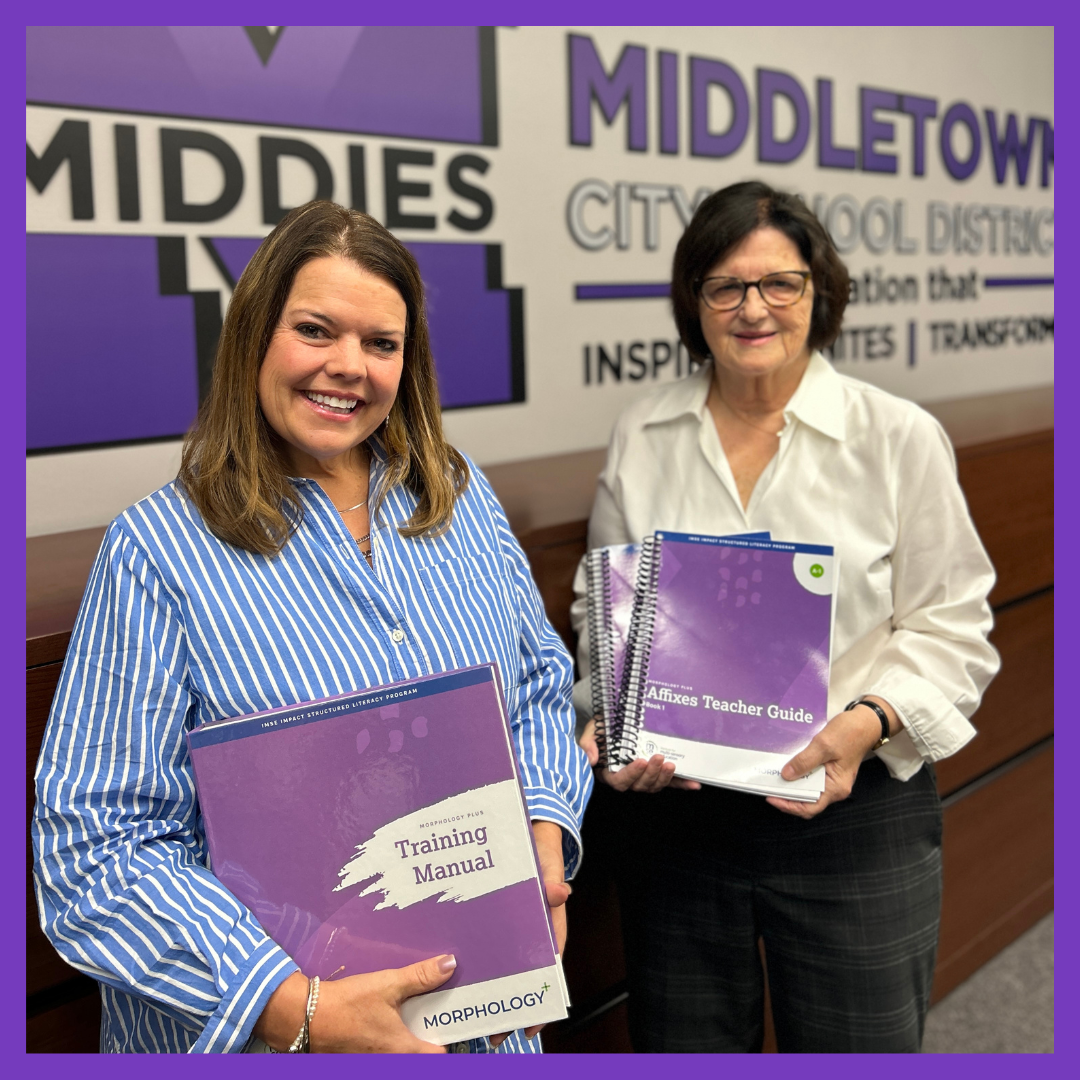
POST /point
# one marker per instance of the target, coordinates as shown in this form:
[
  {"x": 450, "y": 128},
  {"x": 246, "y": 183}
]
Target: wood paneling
[
  {"x": 40, "y": 687},
  {"x": 547, "y": 502},
  {"x": 987, "y": 418},
  {"x": 47, "y": 648},
  {"x": 57, "y": 567},
  {"x": 542, "y": 492},
  {"x": 44, "y": 968},
  {"x": 1018, "y": 707},
  {"x": 999, "y": 868},
  {"x": 553, "y": 567},
  {"x": 1010, "y": 491},
  {"x": 71, "y": 1028}
]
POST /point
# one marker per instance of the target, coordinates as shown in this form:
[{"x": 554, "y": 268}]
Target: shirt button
[
  {"x": 458, "y": 1048},
  {"x": 398, "y": 636}
]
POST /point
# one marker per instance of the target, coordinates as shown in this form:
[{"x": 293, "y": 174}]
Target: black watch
[{"x": 880, "y": 715}]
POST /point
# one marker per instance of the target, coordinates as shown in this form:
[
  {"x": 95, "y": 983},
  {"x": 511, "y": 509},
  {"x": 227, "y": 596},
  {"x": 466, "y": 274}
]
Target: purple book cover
[
  {"x": 737, "y": 658},
  {"x": 612, "y": 579},
  {"x": 383, "y": 827}
]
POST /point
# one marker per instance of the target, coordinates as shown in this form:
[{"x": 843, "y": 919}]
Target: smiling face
[
  {"x": 331, "y": 372},
  {"x": 756, "y": 340}
]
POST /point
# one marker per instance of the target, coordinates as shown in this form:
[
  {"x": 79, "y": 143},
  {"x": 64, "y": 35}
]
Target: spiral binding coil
[
  {"x": 631, "y": 700},
  {"x": 601, "y": 648}
]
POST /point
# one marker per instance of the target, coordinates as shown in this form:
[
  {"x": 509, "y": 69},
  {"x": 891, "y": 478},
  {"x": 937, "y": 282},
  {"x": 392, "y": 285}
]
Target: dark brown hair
[
  {"x": 232, "y": 468},
  {"x": 722, "y": 222}
]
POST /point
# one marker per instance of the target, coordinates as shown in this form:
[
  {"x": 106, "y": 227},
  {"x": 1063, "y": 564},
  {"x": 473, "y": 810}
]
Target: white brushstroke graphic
[{"x": 463, "y": 847}]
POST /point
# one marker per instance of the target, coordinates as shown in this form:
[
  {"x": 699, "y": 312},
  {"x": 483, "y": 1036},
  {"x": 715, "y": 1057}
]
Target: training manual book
[
  {"x": 387, "y": 826},
  {"x": 728, "y": 654}
]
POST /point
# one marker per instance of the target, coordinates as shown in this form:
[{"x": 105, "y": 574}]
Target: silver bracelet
[
  {"x": 302, "y": 1043},
  {"x": 313, "y": 1000}
]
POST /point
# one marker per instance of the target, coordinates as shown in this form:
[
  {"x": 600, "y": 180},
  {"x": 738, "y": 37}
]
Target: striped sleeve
[
  {"x": 122, "y": 887},
  {"x": 555, "y": 771}
]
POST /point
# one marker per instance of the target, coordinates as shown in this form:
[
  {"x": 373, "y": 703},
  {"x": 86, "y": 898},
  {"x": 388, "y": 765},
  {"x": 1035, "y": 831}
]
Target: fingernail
[{"x": 447, "y": 963}]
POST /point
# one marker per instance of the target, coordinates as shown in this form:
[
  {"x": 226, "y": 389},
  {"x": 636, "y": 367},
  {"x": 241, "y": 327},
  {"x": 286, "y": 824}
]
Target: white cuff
[{"x": 937, "y": 729}]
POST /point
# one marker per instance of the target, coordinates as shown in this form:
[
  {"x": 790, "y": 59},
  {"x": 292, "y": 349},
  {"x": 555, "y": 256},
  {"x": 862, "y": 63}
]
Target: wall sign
[{"x": 542, "y": 176}]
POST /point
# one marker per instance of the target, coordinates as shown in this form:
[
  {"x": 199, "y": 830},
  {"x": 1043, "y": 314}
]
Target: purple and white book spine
[
  {"x": 611, "y": 575},
  {"x": 383, "y": 827},
  {"x": 729, "y": 669}
]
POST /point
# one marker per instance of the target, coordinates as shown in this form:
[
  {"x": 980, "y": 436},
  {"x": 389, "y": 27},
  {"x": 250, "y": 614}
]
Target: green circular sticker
[{"x": 817, "y": 570}]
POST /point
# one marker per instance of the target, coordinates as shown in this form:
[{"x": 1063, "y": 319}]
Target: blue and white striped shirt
[{"x": 178, "y": 628}]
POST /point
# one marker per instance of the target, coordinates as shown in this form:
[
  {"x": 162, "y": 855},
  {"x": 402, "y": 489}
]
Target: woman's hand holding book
[
  {"x": 841, "y": 746},
  {"x": 650, "y": 776},
  {"x": 355, "y": 1015}
]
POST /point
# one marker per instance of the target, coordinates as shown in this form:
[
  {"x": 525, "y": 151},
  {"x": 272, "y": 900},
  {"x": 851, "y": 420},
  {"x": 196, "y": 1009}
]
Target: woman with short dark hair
[
  {"x": 843, "y": 894},
  {"x": 321, "y": 538},
  {"x": 725, "y": 220}
]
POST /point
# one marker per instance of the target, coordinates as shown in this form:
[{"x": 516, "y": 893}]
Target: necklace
[
  {"x": 370, "y": 552},
  {"x": 351, "y": 508},
  {"x": 739, "y": 416}
]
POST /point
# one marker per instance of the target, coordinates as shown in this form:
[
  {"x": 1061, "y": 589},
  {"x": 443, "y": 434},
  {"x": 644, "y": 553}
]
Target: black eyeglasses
[{"x": 777, "y": 290}]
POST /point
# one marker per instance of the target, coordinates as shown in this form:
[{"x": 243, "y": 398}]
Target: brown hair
[
  {"x": 722, "y": 222},
  {"x": 231, "y": 466}
]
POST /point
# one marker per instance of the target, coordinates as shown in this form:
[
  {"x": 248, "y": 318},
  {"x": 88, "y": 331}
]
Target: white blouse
[{"x": 873, "y": 475}]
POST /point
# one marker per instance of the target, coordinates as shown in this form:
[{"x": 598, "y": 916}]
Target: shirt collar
[
  {"x": 818, "y": 401},
  {"x": 685, "y": 397}
]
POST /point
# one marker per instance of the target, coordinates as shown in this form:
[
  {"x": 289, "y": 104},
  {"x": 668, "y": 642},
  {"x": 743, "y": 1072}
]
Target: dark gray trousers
[{"x": 847, "y": 906}]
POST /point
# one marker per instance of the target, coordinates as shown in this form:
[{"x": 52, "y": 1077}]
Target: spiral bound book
[
  {"x": 611, "y": 574},
  {"x": 611, "y": 577},
  {"x": 383, "y": 827},
  {"x": 727, "y": 670}
]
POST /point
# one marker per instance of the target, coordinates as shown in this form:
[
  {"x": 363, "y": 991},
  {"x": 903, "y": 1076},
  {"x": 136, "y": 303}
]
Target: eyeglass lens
[{"x": 777, "y": 290}]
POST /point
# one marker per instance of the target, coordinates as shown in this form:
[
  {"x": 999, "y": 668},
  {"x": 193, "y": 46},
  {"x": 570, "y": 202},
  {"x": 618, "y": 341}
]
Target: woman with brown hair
[
  {"x": 322, "y": 537},
  {"x": 843, "y": 894}
]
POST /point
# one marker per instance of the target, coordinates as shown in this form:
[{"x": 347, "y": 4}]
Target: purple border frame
[{"x": 12, "y": 478}]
